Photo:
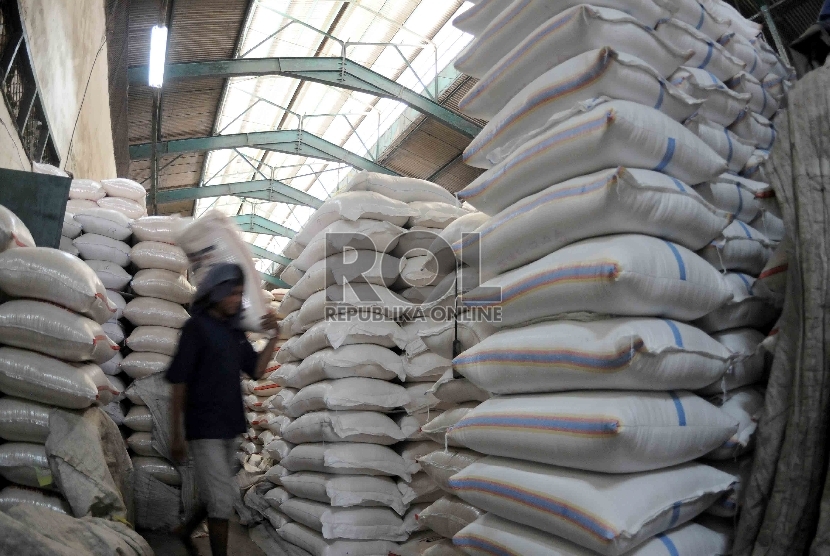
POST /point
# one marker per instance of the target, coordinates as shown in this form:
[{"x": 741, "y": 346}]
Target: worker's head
[{"x": 221, "y": 290}]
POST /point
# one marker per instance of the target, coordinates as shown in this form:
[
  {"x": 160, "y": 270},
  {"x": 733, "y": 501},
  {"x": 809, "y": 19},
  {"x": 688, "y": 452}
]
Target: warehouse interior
[{"x": 518, "y": 277}]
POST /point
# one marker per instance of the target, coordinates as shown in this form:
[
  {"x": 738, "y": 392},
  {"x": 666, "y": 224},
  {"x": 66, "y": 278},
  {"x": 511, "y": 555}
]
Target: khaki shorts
[{"x": 213, "y": 461}]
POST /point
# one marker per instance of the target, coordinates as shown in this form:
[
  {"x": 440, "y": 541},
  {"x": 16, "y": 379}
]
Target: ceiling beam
[
  {"x": 267, "y": 190},
  {"x": 274, "y": 281},
  {"x": 288, "y": 141},
  {"x": 260, "y": 253},
  {"x": 256, "y": 224},
  {"x": 336, "y": 72}
]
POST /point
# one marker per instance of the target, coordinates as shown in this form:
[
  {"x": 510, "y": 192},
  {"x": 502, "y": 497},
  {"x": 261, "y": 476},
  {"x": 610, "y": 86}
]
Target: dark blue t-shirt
[{"x": 210, "y": 359}]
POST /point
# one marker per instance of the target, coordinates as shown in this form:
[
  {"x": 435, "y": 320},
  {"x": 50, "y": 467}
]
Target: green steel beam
[
  {"x": 289, "y": 141},
  {"x": 337, "y": 72},
  {"x": 260, "y": 253},
  {"x": 267, "y": 190},
  {"x": 258, "y": 225},
  {"x": 273, "y": 280}
]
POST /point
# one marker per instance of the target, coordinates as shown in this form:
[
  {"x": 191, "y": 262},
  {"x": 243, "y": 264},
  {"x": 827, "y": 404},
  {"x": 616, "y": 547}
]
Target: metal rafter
[
  {"x": 261, "y": 253},
  {"x": 338, "y": 72},
  {"x": 267, "y": 190},
  {"x": 255, "y": 224}
]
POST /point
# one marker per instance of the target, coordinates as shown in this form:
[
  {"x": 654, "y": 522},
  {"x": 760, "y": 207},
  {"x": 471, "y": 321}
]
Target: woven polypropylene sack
[
  {"x": 696, "y": 15},
  {"x": 523, "y": 18},
  {"x": 343, "y": 426},
  {"x": 12, "y": 496},
  {"x": 734, "y": 150},
  {"x": 745, "y": 405},
  {"x": 41, "y": 378},
  {"x": 608, "y": 202},
  {"x": 155, "y": 254},
  {"x": 55, "y": 331},
  {"x": 761, "y": 102},
  {"x": 155, "y": 339},
  {"x": 617, "y": 512},
  {"x": 353, "y": 393},
  {"x": 67, "y": 246},
  {"x": 103, "y": 248},
  {"x": 114, "y": 331},
  {"x": 313, "y": 543},
  {"x": 159, "y": 228},
  {"x": 214, "y": 239},
  {"x": 334, "y": 334},
  {"x": 772, "y": 282},
  {"x": 572, "y": 32},
  {"x": 13, "y": 232},
  {"x": 139, "y": 419},
  {"x": 163, "y": 284},
  {"x": 77, "y": 205},
  {"x": 720, "y": 104},
  {"x": 746, "y": 309},
  {"x": 740, "y": 47},
  {"x": 443, "y": 464},
  {"x": 83, "y": 189},
  {"x": 359, "y": 360},
  {"x": 708, "y": 54},
  {"x": 141, "y": 364},
  {"x": 448, "y": 515},
  {"x": 491, "y": 533},
  {"x": 353, "y": 266},
  {"x": 609, "y": 354},
  {"x": 400, "y": 188},
  {"x": 158, "y": 469},
  {"x": 629, "y": 275},
  {"x": 748, "y": 366},
  {"x": 609, "y": 432},
  {"x": 52, "y": 275},
  {"x": 739, "y": 248},
  {"x": 123, "y": 187},
  {"x": 613, "y": 132},
  {"x": 479, "y": 16},
  {"x": 346, "y": 523},
  {"x": 374, "y": 235},
  {"x": 25, "y": 464},
  {"x": 148, "y": 311},
  {"x": 111, "y": 274},
  {"x": 128, "y": 207},
  {"x": 24, "y": 420},
  {"x": 345, "y": 491},
  {"x": 596, "y": 73},
  {"x": 437, "y": 427},
  {"x": 732, "y": 198},
  {"x": 755, "y": 128},
  {"x": 71, "y": 227},
  {"x": 434, "y": 214},
  {"x": 105, "y": 222},
  {"x": 346, "y": 459},
  {"x": 142, "y": 444}
]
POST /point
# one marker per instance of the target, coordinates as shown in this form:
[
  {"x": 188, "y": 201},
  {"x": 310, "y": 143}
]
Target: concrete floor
[{"x": 240, "y": 544}]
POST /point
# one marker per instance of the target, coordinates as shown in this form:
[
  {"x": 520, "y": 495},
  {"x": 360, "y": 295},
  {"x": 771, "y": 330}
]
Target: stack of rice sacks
[
  {"x": 351, "y": 483},
  {"x": 159, "y": 293},
  {"x": 52, "y": 309},
  {"x": 607, "y": 157}
]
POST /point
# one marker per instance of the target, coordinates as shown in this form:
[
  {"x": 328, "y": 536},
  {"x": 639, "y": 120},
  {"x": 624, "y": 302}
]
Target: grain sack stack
[
  {"x": 606, "y": 171},
  {"x": 53, "y": 344}
]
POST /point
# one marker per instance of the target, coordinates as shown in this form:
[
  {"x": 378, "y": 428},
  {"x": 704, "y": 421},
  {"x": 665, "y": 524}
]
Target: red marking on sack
[
  {"x": 18, "y": 242},
  {"x": 106, "y": 301},
  {"x": 774, "y": 270}
]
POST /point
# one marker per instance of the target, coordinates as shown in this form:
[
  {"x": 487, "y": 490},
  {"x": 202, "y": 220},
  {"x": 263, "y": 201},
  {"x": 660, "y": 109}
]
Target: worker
[{"x": 205, "y": 372}]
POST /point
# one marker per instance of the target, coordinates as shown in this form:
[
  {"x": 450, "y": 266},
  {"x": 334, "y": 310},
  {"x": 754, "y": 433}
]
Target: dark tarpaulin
[{"x": 787, "y": 505}]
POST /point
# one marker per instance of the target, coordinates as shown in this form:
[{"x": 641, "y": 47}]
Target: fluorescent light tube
[{"x": 158, "y": 53}]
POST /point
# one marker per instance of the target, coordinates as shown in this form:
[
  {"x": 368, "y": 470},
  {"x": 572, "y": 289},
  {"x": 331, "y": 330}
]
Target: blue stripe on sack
[
  {"x": 660, "y": 98},
  {"x": 771, "y": 140},
  {"x": 667, "y": 542},
  {"x": 553, "y": 358},
  {"x": 745, "y": 229},
  {"x": 709, "y": 54},
  {"x": 681, "y": 266},
  {"x": 666, "y": 157},
  {"x": 746, "y": 282},
  {"x": 714, "y": 78},
  {"x": 764, "y": 107},
  {"x": 702, "y": 17},
  {"x": 591, "y": 271},
  {"x": 678, "y": 338},
  {"x": 482, "y": 544},
  {"x": 681, "y": 420},
  {"x": 740, "y": 200},
  {"x": 568, "y": 425},
  {"x": 679, "y": 184},
  {"x": 754, "y": 62},
  {"x": 729, "y": 142}
]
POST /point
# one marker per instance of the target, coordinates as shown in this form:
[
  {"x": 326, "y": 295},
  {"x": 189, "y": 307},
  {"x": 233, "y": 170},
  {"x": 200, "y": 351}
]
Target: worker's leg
[
  {"x": 218, "y": 530},
  {"x": 214, "y": 478}
]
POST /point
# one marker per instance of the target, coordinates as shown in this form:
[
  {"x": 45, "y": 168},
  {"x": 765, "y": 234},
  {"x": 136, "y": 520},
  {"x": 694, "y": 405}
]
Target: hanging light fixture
[{"x": 158, "y": 53}]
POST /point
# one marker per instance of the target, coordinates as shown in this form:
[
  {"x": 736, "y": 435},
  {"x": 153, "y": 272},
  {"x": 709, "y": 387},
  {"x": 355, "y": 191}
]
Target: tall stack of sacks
[
  {"x": 589, "y": 185},
  {"x": 156, "y": 311},
  {"x": 53, "y": 344},
  {"x": 125, "y": 196}
]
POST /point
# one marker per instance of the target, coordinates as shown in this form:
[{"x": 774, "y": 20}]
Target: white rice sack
[
  {"x": 770, "y": 225},
  {"x": 721, "y": 105},
  {"x": 346, "y": 459},
  {"x": 128, "y": 207},
  {"x": 141, "y": 364},
  {"x": 352, "y": 266},
  {"x": 353, "y": 393},
  {"x": 740, "y": 47},
  {"x": 748, "y": 365},
  {"x": 774, "y": 85},
  {"x": 754, "y": 128},
  {"x": 746, "y": 309},
  {"x": 708, "y": 54},
  {"x": 155, "y": 254},
  {"x": 142, "y": 444},
  {"x": 410, "y": 451},
  {"x": 103, "y": 248},
  {"x": 271, "y": 422},
  {"x": 406, "y": 190},
  {"x": 24, "y": 420},
  {"x": 264, "y": 388},
  {"x": 453, "y": 233},
  {"x": 334, "y": 334},
  {"x": 276, "y": 496},
  {"x": 112, "y": 275},
  {"x": 342, "y": 491},
  {"x": 448, "y": 515},
  {"x": 609, "y": 202},
  {"x": 157, "y": 468},
  {"x": 574, "y": 31},
  {"x": 491, "y": 533},
  {"x": 155, "y": 339},
  {"x": 149, "y": 311},
  {"x": 697, "y": 16},
  {"x": 88, "y": 190},
  {"x": 113, "y": 366},
  {"x": 425, "y": 367},
  {"x": 434, "y": 214},
  {"x": 13, "y": 232},
  {"x": 745, "y": 405},
  {"x": 215, "y": 239},
  {"x": 772, "y": 282},
  {"x": 732, "y": 198},
  {"x": 343, "y": 426},
  {"x": 415, "y": 240},
  {"x": 122, "y": 187},
  {"x": 277, "y": 449},
  {"x": 613, "y": 132},
  {"x": 761, "y": 102},
  {"x": 312, "y": 542},
  {"x": 77, "y": 205},
  {"x": 352, "y": 299},
  {"x": 71, "y": 227},
  {"x": 12, "y": 496},
  {"x": 117, "y": 300},
  {"x": 522, "y": 18},
  {"x": 41, "y": 378},
  {"x": 737, "y": 22},
  {"x": 629, "y": 275},
  {"x": 443, "y": 464},
  {"x": 609, "y": 432},
  {"x": 739, "y": 248},
  {"x": 452, "y": 390},
  {"x": 609, "y": 354},
  {"x": 163, "y": 284},
  {"x": 49, "y": 329},
  {"x": 478, "y": 17},
  {"x": 593, "y": 74},
  {"x": 25, "y": 464},
  {"x": 67, "y": 246},
  {"x": 436, "y": 429},
  {"x": 374, "y": 235},
  {"x": 729, "y": 504},
  {"x": 734, "y": 150},
  {"x": 346, "y": 523},
  {"x": 105, "y": 222},
  {"x": 291, "y": 274},
  {"x": 418, "y": 271},
  {"x": 159, "y": 228},
  {"x": 420, "y": 490},
  {"x": 139, "y": 419},
  {"x": 616, "y": 512}
]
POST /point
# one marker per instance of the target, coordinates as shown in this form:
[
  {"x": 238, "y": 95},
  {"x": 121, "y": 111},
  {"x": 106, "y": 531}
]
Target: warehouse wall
[
  {"x": 12, "y": 154},
  {"x": 64, "y": 38}
]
